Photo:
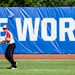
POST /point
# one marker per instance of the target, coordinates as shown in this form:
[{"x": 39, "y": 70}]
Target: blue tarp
[{"x": 40, "y": 30}]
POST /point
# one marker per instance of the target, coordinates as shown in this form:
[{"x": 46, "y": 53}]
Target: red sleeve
[{"x": 8, "y": 35}]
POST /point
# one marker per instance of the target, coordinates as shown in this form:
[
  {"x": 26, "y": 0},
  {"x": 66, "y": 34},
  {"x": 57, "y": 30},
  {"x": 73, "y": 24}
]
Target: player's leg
[
  {"x": 6, "y": 53},
  {"x": 12, "y": 48},
  {"x": 9, "y": 54}
]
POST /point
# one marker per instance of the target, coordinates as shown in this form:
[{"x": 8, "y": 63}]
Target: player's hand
[{"x": 0, "y": 41}]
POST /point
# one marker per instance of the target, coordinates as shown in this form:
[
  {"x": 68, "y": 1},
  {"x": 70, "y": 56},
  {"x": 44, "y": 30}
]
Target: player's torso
[{"x": 9, "y": 36}]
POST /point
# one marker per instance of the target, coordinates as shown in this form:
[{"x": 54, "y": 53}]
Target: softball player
[{"x": 10, "y": 48}]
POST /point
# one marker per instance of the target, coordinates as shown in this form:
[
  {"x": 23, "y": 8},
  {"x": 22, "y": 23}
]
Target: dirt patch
[{"x": 42, "y": 56}]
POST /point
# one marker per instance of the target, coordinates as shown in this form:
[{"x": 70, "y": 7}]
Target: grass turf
[{"x": 39, "y": 67}]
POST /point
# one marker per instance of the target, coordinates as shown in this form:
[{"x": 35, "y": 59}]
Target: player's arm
[
  {"x": 6, "y": 40},
  {"x": 0, "y": 41}
]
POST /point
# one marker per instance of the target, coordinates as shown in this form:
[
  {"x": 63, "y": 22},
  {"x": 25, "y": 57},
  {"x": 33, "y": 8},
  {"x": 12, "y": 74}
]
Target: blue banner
[{"x": 40, "y": 30}]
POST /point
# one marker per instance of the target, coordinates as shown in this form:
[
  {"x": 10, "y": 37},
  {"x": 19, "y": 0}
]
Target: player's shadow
[{"x": 4, "y": 68}]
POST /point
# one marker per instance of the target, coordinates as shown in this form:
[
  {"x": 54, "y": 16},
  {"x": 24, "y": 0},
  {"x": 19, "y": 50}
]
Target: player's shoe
[{"x": 14, "y": 68}]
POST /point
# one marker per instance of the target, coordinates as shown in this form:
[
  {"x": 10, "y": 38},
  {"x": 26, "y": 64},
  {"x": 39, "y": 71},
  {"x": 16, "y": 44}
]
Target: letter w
[{"x": 27, "y": 24}]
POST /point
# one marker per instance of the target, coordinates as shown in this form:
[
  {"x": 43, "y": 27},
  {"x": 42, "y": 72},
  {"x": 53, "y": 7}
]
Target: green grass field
[{"x": 39, "y": 67}]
